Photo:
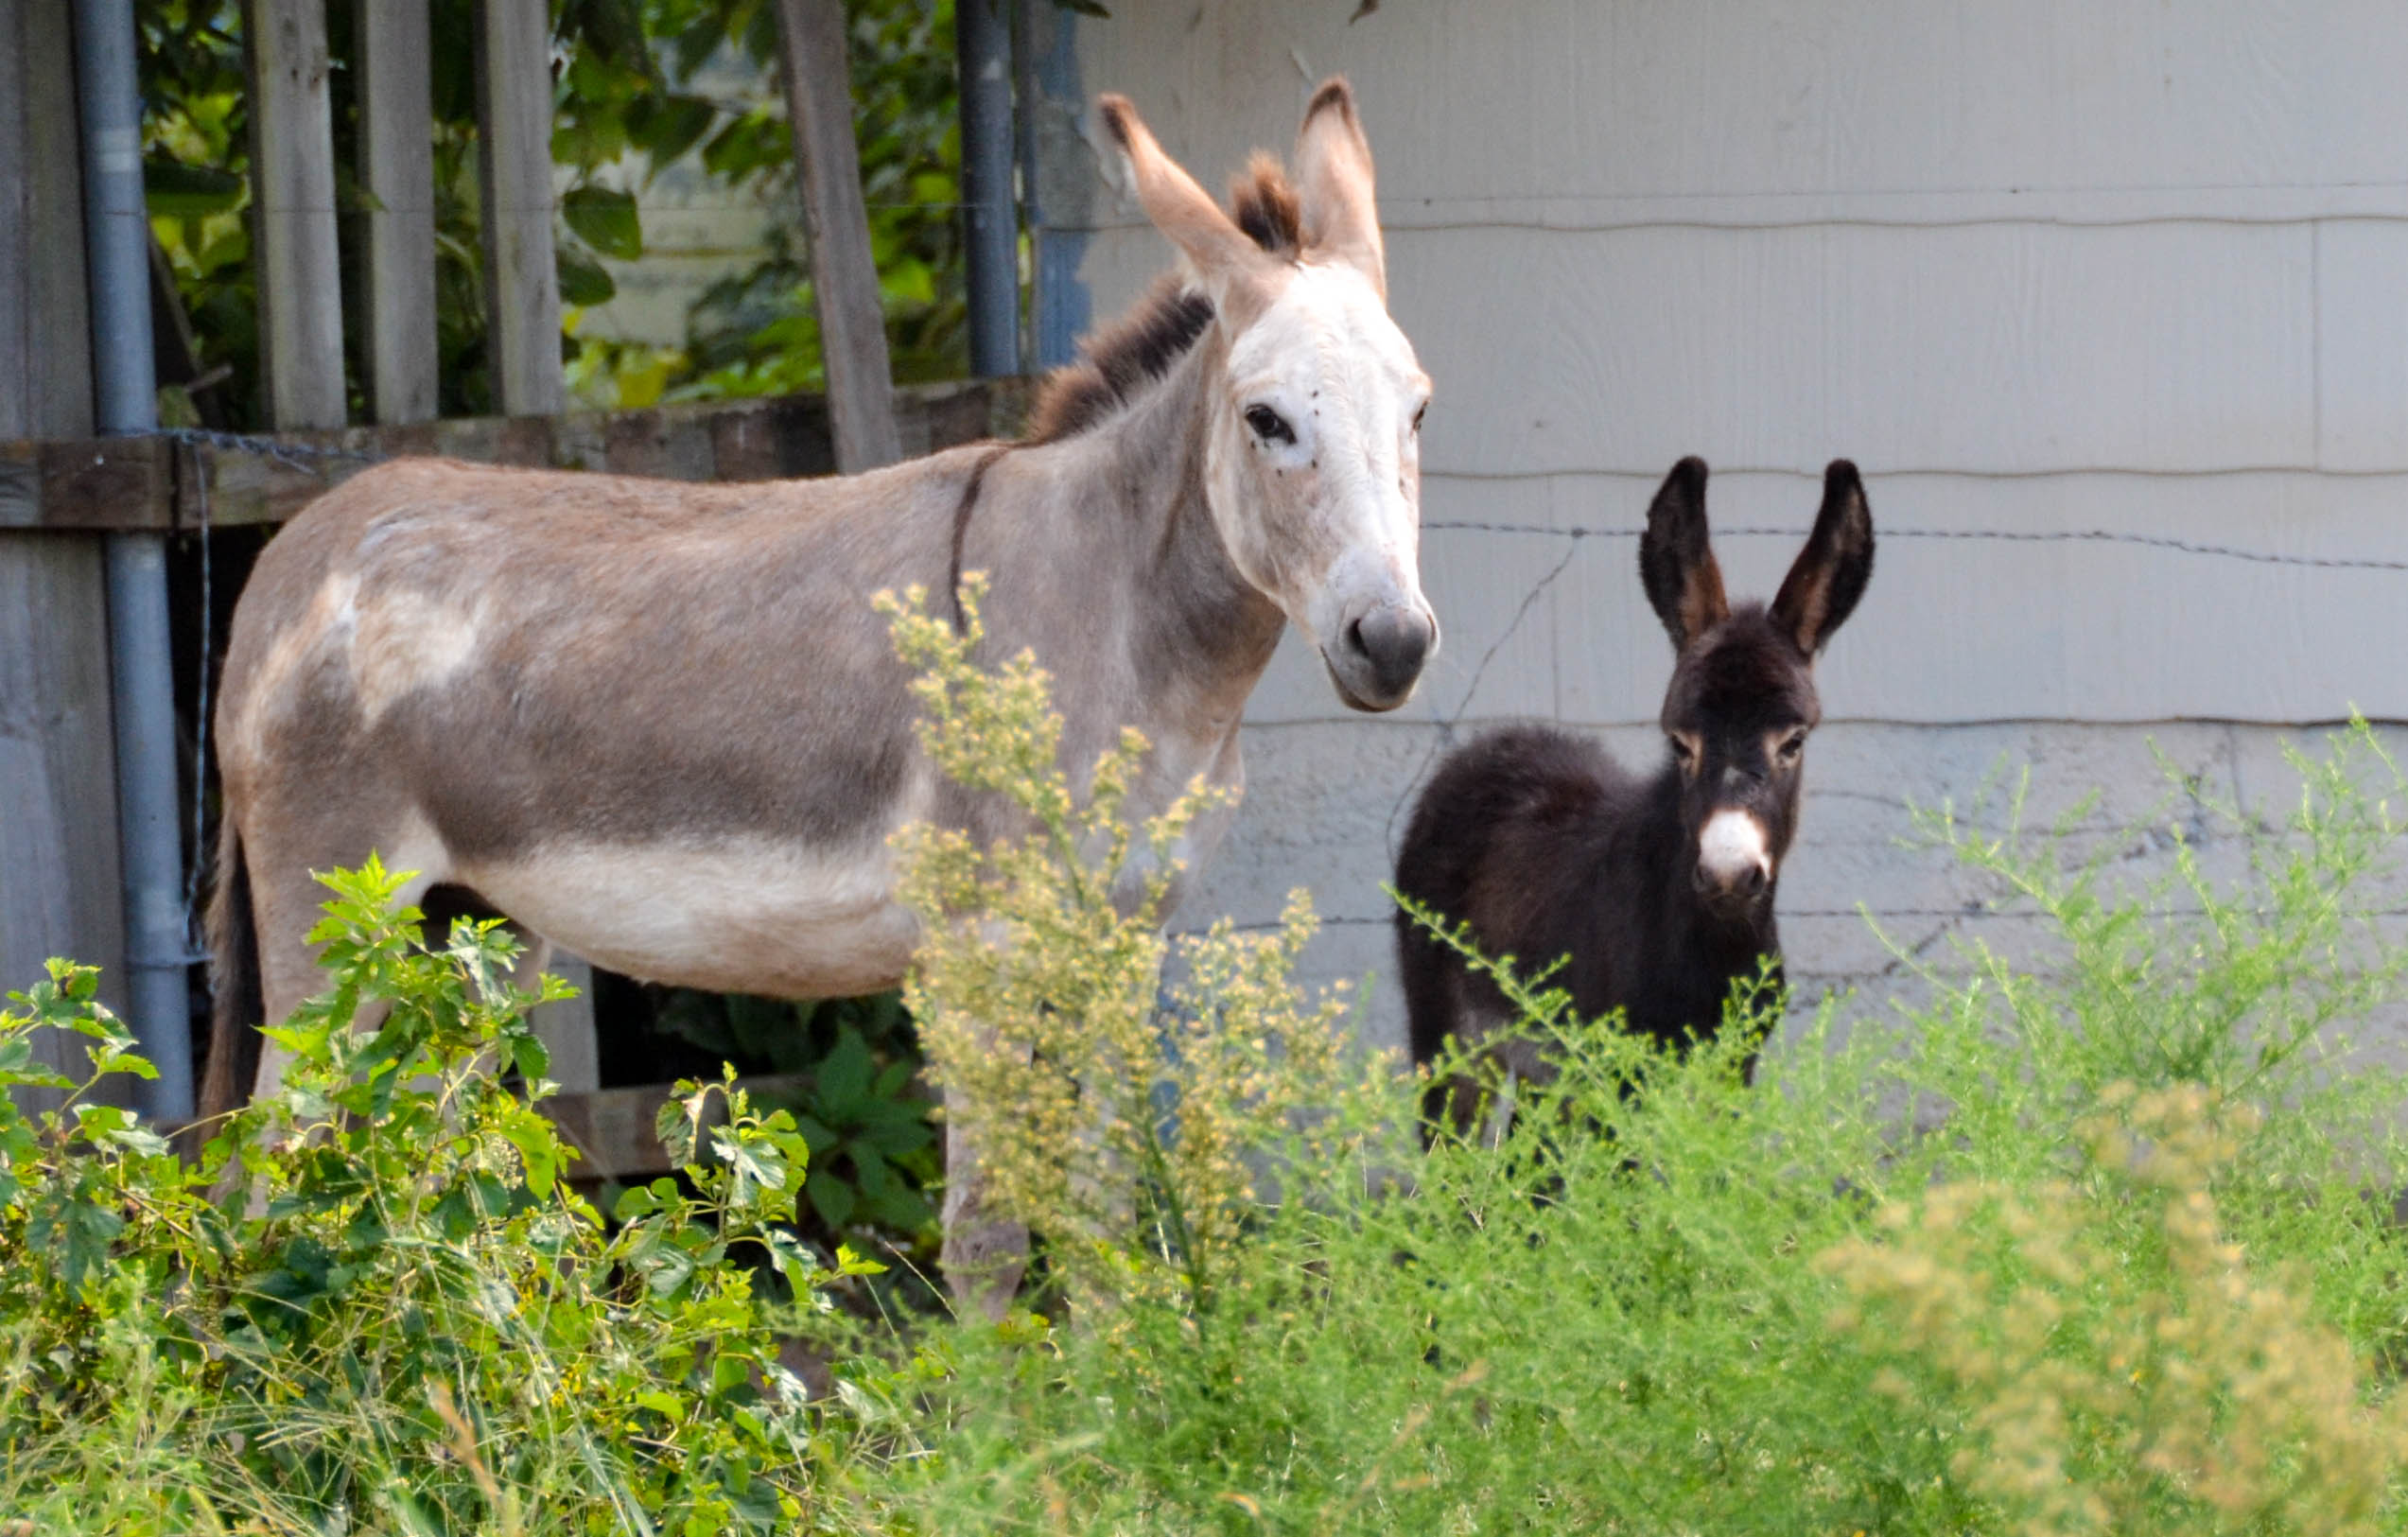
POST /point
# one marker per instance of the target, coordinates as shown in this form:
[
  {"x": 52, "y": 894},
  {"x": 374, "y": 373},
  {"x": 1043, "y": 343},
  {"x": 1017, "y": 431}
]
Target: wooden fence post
[
  {"x": 292, "y": 190},
  {"x": 522, "y": 286},
  {"x": 397, "y": 169},
  {"x": 59, "y": 869},
  {"x": 852, "y": 325}
]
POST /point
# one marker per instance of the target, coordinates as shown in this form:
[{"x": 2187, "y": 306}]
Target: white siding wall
[{"x": 2089, "y": 264}]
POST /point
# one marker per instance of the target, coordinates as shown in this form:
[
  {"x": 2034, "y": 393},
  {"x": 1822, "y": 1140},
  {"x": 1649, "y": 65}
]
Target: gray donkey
[{"x": 659, "y": 724}]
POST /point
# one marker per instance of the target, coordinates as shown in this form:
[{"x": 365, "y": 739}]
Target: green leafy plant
[
  {"x": 376, "y": 1302},
  {"x": 856, "y": 1096}
]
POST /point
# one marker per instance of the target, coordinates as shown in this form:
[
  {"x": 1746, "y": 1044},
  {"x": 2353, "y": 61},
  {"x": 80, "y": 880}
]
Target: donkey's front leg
[{"x": 984, "y": 1255}]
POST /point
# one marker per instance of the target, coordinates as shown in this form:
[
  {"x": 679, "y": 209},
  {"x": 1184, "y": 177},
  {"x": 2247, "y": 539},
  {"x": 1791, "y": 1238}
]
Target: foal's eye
[
  {"x": 1684, "y": 750},
  {"x": 1269, "y": 425},
  {"x": 1793, "y": 746}
]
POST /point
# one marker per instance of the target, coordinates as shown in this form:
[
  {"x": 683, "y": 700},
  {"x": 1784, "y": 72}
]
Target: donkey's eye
[
  {"x": 1684, "y": 750},
  {"x": 1425, "y": 411},
  {"x": 1269, "y": 425},
  {"x": 1793, "y": 746}
]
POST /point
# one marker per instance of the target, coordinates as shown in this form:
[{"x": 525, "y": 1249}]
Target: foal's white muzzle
[{"x": 1735, "y": 857}]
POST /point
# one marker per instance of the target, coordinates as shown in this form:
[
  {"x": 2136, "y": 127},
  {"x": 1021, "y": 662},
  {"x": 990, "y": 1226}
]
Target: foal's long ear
[
  {"x": 1831, "y": 571},
  {"x": 1676, "y": 564},
  {"x": 1224, "y": 258},
  {"x": 1333, "y": 174}
]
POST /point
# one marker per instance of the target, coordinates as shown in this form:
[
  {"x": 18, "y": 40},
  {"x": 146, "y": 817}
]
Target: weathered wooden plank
[
  {"x": 59, "y": 895},
  {"x": 661, "y": 442},
  {"x": 17, "y": 391},
  {"x": 58, "y": 800},
  {"x": 565, "y": 1026},
  {"x": 522, "y": 287},
  {"x": 398, "y": 171},
  {"x": 852, "y": 325},
  {"x": 292, "y": 181},
  {"x": 46, "y": 368},
  {"x": 158, "y": 483},
  {"x": 90, "y": 484}
]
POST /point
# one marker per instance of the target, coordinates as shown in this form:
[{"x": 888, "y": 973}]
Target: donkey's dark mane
[{"x": 1119, "y": 362}]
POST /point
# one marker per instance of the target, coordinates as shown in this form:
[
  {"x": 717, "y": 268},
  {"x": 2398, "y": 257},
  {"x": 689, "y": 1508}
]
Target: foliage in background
[
  {"x": 622, "y": 113},
  {"x": 426, "y": 1330},
  {"x": 873, "y": 1152}
]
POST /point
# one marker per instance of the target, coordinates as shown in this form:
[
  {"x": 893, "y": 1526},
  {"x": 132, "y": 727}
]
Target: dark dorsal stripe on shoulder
[{"x": 1120, "y": 361}]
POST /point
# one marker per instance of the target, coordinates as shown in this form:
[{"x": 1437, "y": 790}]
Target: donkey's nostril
[{"x": 1395, "y": 640}]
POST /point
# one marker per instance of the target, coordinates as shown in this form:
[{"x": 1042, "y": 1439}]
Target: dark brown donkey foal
[{"x": 1658, "y": 888}]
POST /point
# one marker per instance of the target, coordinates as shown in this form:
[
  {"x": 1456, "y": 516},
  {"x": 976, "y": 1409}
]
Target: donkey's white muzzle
[{"x": 1735, "y": 858}]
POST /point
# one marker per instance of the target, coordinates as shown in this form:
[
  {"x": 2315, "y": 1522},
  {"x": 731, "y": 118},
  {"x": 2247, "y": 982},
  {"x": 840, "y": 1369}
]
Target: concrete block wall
[{"x": 2070, "y": 267}]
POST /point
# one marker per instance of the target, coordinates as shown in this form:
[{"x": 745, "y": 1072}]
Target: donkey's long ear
[
  {"x": 1676, "y": 563},
  {"x": 1333, "y": 174},
  {"x": 1831, "y": 571},
  {"x": 1223, "y": 257}
]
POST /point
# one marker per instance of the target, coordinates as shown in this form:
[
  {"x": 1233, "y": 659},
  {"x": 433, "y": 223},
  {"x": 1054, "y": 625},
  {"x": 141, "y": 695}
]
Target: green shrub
[
  {"x": 2090, "y": 1246},
  {"x": 375, "y": 1303}
]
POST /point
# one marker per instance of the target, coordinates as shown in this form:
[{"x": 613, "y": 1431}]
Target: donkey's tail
[{"x": 236, "y": 1002}]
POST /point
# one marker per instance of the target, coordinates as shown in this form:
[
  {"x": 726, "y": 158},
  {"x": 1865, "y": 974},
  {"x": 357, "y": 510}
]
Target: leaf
[
  {"x": 532, "y": 1133},
  {"x": 819, "y": 1138},
  {"x": 171, "y": 189},
  {"x": 792, "y": 1260},
  {"x": 528, "y": 1055},
  {"x": 661, "y": 1402},
  {"x": 605, "y": 218},
  {"x": 843, "y": 1081},
  {"x": 583, "y": 281},
  {"x": 869, "y": 1170},
  {"x": 901, "y": 1207},
  {"x": 754, "y": 1161},
  {"x": 830, "y": 1197},
  {"x": 666, "y": 127}
]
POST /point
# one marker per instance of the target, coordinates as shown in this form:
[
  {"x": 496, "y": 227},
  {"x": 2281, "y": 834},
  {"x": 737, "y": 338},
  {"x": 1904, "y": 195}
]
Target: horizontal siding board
[
  {"x": 1511, "y": 98},
  {"x": 2362, "y": 354},
  {"x": 1998, "y": 349}
]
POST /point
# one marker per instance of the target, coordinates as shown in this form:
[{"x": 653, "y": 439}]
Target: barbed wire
[
  {"x": 304, "y": 457},
  {"x": 292, "y": 456},
  {"x": 2153, "y": 541}
]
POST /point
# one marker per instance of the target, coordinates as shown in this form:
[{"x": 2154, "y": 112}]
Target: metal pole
[
  {"x": 1025, "y": 98},
  {"x": 116, "y": 234},
  {"x": 983, "y": 39}
]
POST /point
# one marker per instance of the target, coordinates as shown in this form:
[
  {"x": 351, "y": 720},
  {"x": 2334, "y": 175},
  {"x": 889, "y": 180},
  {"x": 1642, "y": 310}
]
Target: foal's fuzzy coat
[{"x": 1658, "y": 888}]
